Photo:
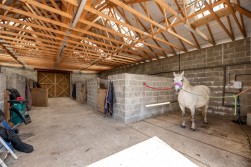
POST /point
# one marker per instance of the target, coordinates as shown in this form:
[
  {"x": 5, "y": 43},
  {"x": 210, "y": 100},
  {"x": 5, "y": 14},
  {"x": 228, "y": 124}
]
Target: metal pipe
[
  {"x": 224, "y": 84},
  {"x": 69, "y": 31},
  {"x": 78, "y": 14},
  {"x": 236, "y": 76},
  {"x": 157, "y": 104}
]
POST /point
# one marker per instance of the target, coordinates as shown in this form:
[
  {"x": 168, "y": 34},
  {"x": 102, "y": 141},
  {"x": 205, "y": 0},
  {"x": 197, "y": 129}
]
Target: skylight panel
[
  {"x": 198, "y": 5},
  {"x": 120, "y": 28}
]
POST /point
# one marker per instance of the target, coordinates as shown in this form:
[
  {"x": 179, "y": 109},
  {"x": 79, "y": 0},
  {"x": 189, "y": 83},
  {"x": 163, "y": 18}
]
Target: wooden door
[{"x": 58, "y": 84}]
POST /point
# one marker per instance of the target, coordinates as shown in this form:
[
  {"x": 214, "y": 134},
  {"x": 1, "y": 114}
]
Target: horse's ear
[
  {"x": 182, "y": 74},
  {"x": 174, "y": 74}
]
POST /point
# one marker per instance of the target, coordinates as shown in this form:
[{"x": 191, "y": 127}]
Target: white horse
[{"x": 191, "y": 97}]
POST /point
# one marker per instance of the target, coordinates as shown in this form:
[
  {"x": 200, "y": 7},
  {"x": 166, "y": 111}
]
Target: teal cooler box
[{"x": 21, "y": 107}]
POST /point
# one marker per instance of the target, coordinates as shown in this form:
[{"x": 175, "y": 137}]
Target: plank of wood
[{"x": 6, "y": 105}]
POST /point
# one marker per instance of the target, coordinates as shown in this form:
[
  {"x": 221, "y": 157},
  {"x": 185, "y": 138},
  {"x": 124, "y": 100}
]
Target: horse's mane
[{"x": 186, "y": 80}]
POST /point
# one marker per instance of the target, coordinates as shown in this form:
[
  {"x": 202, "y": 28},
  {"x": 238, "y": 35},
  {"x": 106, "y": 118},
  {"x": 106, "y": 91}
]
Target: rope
[
  {"x": 156, "y": 88},
  {"x": 214, "y": 97},
  {"x": 243, "y": 91},
  {"x": 220, "y": 97}
]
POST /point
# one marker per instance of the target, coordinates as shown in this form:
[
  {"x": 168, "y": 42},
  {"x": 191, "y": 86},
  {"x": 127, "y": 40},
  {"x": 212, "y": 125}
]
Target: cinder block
[{"x": 212, "y": 77}]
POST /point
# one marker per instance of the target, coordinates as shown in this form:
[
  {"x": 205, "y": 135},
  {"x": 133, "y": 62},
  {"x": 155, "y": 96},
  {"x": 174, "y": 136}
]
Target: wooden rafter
[
  {"x": 146, "y": 11},
  {"x": 138, "y": 14},
  {"x": 235, "y": 19},
  {"x": 185, "y": 21},
  {"x": 36, "y": 30},
  {"x": 210, "y": 9}
]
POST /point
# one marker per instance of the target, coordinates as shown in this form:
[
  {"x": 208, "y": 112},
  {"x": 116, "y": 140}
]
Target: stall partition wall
[{"x": 58, "y": 84}]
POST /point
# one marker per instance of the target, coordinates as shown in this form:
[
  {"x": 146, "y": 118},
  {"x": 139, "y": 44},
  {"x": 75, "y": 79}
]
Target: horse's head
[{"x": 178, "y": 81}]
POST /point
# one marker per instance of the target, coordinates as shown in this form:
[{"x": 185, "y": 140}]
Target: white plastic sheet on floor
[{"x": 149, "y": 153}]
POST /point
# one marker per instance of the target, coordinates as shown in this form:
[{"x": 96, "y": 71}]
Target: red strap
[
  {"x": 20, "y": 98},
  {"x": 156, "y": 88}
]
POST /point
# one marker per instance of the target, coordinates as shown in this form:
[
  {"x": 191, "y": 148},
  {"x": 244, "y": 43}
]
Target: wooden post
[{"x": 6, "y": 105}]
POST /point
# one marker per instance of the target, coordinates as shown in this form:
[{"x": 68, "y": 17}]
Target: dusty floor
[{"x": 71, "y": 134}]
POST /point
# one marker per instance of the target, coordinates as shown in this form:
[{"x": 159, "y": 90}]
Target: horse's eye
[{"x": 182, "y": 80}]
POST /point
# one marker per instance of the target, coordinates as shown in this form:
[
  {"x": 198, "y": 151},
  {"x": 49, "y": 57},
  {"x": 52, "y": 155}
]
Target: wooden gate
[{"x": 58, "y": 84}]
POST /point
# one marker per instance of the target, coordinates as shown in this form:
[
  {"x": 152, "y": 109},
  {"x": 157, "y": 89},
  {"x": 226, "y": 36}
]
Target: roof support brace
[{"x": 12, "y": 53}]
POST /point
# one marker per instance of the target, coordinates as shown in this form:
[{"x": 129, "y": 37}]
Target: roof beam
[
  {"x": 209, "y": 18},
  {"x": 210, "y": 9},
  {"x": 121, "y": 4},
  {"x": 146, "y": 11},
  {"x": 242, "y": 20},
  {"x": 185, "y": 21},
  {"x": 48, "y": 8},
  {"x": 5, "y": 46},
  {"x": 243, "y": 11},
  {"x": 235, "y": 19}
]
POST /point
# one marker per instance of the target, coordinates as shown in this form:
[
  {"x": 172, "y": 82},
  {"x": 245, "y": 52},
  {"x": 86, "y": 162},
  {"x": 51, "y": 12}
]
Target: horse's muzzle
[{"x": 177, "y": 89}]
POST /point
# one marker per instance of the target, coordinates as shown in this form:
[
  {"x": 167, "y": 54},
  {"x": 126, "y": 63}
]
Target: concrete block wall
[
  {"x": 81, "y": 92},
  {"x": 81, "y": 78},
  {"x": 206, "y": 67},
  {"x": 132, "y": 96},
  {"x": 16, "y": 81},
  {"x": 92, "y": 90},
  {"x": 2, "y": 89},
  {"x": 15, "y": 78},
  {"x": 30, "y": 74}
]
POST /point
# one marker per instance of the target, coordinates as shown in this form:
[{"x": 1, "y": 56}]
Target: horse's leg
[
  {"x": 205, "y": 114},
  {"x": 183, "y": 124},
  {"x": 192, "y": 118}
]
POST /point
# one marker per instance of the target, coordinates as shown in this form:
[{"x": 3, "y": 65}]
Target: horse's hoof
[
  {"x": 205, "y": 122},
  {"x": 183, "y": 126},
  {"x": 192, "y": 129}
]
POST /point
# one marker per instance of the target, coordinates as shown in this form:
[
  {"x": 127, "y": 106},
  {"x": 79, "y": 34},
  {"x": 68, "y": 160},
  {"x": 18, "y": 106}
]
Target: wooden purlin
[
  {"x": 242, "y": 20},
  {"x": 243, "y": 11},
  {"x": 146, "y": 11},
  {"x": 62, "y": 33},
  {"x": 209, "y": 18},
  {"x": 145, "y": 43},
  {"x": 51, "y": 21},
  {"x": 186, "y": 24},
  {"x": 45, "y": 33},
  {"x": 168, "y": 23},
  {"x": 236, "y": 19},
  {"x": 150, "y": 46},
  {"x": 184, "y": 15},
  {"x": 128, "y": 26},
  {"x": 208, "y": 27},
  {"x": 121, "y": 4},
  {"x": 210, "y": 9},
  {"x": 2, "y": 44},
  {"x": 135, "y": 53}
]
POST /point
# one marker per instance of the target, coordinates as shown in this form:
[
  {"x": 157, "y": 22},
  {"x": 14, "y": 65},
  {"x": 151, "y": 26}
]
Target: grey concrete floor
[{"x": 68, "y": 133}]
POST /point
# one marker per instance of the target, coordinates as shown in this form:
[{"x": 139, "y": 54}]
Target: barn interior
[{"x": 91, "y": 82}]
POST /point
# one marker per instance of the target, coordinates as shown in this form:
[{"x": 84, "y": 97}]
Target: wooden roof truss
[{"x": 97, "y": 35}]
